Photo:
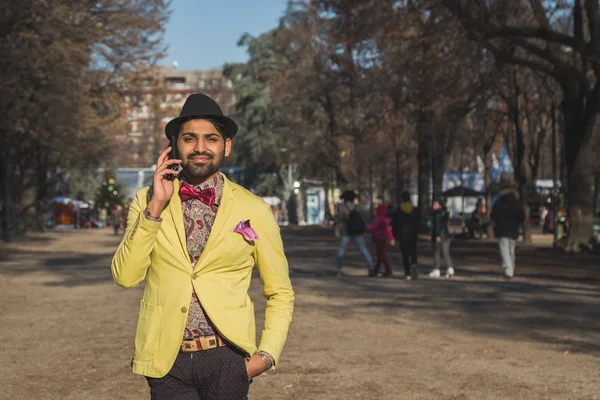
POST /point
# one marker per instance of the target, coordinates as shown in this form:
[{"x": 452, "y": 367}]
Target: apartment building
[{"x": 154, "y": 102}]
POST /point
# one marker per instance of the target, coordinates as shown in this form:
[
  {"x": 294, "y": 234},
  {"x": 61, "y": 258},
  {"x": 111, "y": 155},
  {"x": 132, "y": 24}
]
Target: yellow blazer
[{"x": 157, "y": 251}]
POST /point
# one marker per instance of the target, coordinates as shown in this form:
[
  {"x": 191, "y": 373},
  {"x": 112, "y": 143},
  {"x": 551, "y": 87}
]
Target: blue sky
[{"x": 203, "y": 34}]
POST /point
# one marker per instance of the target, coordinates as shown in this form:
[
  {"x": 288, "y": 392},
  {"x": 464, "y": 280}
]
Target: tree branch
[
  {"x": 511, "y": 59},
  {"x": 591, "y": 8},
  {"x": 535, "y": 33},
  {"x": 559, "y": 66},
  {"x": 540, "y": 13}
]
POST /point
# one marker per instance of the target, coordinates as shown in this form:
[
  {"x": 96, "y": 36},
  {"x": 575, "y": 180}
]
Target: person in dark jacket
[
  {"x": 405, "y": 228},
  {"x": 508, "y": 215},
  {"x": 349, "y": 204},
  {"x": 440, "y": 237}
]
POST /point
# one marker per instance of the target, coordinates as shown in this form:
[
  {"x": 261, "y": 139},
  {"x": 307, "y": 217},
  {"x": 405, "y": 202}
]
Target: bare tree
[
  {"x": 63, "y": 63},
  {"x": 560, "y": 40}
]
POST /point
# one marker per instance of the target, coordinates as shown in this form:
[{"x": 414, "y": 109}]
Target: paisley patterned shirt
[{"x": 198, "y": 219}]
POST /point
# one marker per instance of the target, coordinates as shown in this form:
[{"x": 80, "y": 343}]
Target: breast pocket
[
  {"x": 147, "y": 334},
  {"x": 236, "y": 250}
]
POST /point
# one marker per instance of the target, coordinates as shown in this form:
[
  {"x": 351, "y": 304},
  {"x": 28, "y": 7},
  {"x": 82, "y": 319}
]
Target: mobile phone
[{"x": 173, "y": 156}]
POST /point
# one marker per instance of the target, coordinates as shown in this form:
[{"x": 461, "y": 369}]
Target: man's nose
[{"x": 200, "y": 146}]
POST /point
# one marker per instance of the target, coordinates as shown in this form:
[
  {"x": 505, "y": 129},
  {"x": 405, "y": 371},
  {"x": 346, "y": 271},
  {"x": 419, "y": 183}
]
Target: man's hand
[
  {"x": 438, "y": 239},
  {"x": 393, "y": 243},
  {"x": 255, "y": 366},
  {"x": 162, "y": 188}
]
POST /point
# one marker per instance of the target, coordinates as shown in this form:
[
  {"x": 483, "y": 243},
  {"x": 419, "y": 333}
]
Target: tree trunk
[
  {"x": 577, "y": 136},
  {"x": 437, "y": 177},
  {"x": 438, "y": 162},
  {"x": 399, "y": 179},
  {"x": 524, "y": 194},
  {"x": 487, "y": 177},
  {"x": 523, "y": 170},
  {"x": 4, "y": 200},
  {"x": 371, "y": 190},
  {"x": 4, "y": 188},
  {"x": 596, "y": 193},
  {"x": 383, "y": 183},
  {"x": 424, "y": 161}
]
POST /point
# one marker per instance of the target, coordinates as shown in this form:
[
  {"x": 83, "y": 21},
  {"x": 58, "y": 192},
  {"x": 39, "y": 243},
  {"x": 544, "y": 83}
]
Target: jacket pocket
[{"x": 147, "y": 334}]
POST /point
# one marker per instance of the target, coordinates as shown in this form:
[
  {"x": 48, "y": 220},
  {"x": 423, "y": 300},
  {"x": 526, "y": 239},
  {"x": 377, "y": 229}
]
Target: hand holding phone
[
  {"x": 173, "y": 156},
  {"x": 162, "y": 188}
]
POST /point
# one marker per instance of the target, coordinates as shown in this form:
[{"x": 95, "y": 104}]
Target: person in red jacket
[{"x": 381, "y": 233}]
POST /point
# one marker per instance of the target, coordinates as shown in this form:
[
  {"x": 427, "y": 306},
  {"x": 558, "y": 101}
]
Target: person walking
[
  {"x": 351, "y": 227},
  {"x": 115, "y": 219},
  {"x": 441, "y": 239},
  {"x": 103, "y": 216},
  {"x": 405, "y": 228},
  {"x": 507, "y": 216},
  {"x": 195, "y": 239},
  {"x": 381, "y": 233}
]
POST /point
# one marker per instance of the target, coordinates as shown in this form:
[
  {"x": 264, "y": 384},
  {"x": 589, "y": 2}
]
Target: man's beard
[{"x": 200, "y": 172}]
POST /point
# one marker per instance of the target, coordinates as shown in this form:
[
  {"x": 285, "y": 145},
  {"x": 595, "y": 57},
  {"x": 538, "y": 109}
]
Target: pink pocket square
[{"x": 244, "y": 229}]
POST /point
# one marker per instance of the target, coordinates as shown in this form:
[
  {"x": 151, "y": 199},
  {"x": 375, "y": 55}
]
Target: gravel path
[{"x": 67, "y": 330}]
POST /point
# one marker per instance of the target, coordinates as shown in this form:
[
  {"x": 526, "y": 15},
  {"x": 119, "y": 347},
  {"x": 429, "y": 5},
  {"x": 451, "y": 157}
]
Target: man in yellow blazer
[{"x": 195, "y": 239}]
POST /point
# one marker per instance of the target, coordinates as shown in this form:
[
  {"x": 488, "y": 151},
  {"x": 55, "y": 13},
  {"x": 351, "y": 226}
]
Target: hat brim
[{"x": 231, "y": 127}]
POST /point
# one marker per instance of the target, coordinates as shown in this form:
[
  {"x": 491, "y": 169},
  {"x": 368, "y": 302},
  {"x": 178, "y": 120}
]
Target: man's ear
[{"x": 228, "y": 144}]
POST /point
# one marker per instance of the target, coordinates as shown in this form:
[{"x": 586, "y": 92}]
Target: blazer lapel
[
  {"x": 177, "y": 215},
  {"x": 221, "y": 220}
]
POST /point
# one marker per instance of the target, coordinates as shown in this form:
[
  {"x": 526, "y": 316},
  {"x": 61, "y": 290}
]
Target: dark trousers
[
  {"x": 408, "y": 246},
  {"x": 382, "y": 257},
  {"x": 216, "y": 374}
]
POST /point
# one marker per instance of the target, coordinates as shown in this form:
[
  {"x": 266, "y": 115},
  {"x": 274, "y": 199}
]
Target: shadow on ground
[
  {"x": 554, "y": 299},
  {"x": 73, "y": 267}
]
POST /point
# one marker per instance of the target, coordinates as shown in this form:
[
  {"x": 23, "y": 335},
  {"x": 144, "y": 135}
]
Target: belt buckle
[
  {"x": 188, "y": 346},
  {"x": 208, "y": 342}
]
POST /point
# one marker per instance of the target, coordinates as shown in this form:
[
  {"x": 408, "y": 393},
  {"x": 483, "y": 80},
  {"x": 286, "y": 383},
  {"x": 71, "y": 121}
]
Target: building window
[{"x": 176, "y": 83}]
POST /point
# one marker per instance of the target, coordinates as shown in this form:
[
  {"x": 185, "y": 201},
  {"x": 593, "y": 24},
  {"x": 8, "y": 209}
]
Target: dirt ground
[{"x": 66, "y": 330}]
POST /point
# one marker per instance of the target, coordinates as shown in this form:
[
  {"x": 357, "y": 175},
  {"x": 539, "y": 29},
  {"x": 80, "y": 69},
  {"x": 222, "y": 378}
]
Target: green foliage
[{"x": 259, "y": 147}]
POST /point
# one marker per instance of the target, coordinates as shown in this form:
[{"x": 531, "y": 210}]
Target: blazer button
[
  {"x": 194, "y": 276},
  {"x": 183, "y": 309}
]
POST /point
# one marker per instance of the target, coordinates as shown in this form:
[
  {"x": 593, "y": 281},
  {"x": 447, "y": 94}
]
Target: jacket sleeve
[
  {"x": 520, "y": 213},
  {"x": 272, "y": 265},
  {"x": 436, "y": 224},
  {"x": 342, "y": 214},
  {"x": 132, "y": 259},
  {"x": 388, "y": 229},
  {"x": 395, "y": 219},
  {"x": 494, "y": 213}
]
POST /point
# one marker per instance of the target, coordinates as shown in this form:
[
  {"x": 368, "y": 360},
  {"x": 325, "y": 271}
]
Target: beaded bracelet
[{"x": 267, "y": 359}]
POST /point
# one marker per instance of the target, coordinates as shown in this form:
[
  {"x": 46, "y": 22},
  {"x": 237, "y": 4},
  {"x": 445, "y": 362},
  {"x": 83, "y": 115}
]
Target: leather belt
[{"x": 202, "y": 343}]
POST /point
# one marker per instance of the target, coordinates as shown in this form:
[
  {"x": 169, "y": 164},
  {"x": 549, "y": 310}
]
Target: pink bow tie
[{"x": 187, "y": 192}]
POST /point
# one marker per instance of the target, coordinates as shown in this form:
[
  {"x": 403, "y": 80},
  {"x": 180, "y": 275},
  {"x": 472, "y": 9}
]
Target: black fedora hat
[
  {"x": 348, "y": 195},
  {"x": 199, "y": 105}
]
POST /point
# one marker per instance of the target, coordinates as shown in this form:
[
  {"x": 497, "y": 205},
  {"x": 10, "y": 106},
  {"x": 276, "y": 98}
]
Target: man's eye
[
  {"x": 212, "y": 139},
  {"x": 188, "y": 139}
]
